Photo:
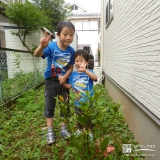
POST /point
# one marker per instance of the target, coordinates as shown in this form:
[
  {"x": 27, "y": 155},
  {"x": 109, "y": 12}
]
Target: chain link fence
[{"x": 19, "y": 71}]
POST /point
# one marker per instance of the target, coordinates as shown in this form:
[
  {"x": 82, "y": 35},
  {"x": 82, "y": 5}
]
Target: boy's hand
[
  {"x": 45, "y": 40},
  {"x": 82, "y": 67},
  {"x": 61, "y": 79}
]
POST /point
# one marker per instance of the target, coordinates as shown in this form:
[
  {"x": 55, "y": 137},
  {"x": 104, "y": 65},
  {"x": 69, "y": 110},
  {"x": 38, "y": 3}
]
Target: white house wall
[
  {"x": 2, "y": 39},
  {"x": 28, "y": 63},
  {"x": 13, "y": 42},
  {"x": 131, "y": 49},
  {"x": 3, "y": 19},
  {"x": 89, "y": 37}
]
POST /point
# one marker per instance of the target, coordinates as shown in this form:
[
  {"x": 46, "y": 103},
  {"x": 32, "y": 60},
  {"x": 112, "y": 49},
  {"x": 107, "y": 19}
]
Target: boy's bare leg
[
  {"x": 49, "y": 122},
  {"x": 50, "y": 134}
]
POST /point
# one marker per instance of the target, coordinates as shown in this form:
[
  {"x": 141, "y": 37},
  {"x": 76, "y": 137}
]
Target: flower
[{"x": 109, "y": 149}]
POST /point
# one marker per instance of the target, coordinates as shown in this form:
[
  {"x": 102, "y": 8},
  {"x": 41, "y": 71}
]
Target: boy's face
[
  {"x": 65, "y": 37},
  {"x": 79, "y": 60}
]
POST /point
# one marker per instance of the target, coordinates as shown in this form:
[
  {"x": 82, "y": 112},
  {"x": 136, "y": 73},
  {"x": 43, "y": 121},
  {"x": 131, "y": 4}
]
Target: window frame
[
  {"x": 75, "y": 24},
  {"x": 89, "y": 26},
  {"x": 91, "y": 23},
  {"x": 108, "y": 16}
]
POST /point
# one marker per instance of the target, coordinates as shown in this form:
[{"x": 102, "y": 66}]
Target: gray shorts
[{"x": 52, "y": 89}]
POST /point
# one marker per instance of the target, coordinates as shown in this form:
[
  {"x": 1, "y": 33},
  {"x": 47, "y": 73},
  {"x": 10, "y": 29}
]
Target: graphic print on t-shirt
[
  {"x": 60, "y": 63},
  {"x": 80, "y": 84}
]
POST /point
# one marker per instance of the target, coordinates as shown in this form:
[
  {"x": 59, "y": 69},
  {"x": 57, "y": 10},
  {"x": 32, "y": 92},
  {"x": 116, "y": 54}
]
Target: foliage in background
[
  {"x": 98, "y": 54},
  {"x": 23, "y": 130},
  {"x": 109, "y": 128},
  {"x": 55, "y": 10},
  {"x": 28, "y": 17},
  {"x": 14, "y": 82},
  {"x": 19, "y": 83}
]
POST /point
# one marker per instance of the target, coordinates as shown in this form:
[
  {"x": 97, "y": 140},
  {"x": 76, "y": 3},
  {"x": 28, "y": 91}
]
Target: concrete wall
[{"x": 145, "y": 129}]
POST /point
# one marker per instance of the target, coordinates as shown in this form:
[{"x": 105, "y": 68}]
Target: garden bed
[{"x": 23, "y": 130}]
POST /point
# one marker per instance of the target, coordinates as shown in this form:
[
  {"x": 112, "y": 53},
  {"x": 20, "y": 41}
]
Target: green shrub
[
  {"x": 23, "y": 130},
  {"x": 19, "y": 83},
  {"x": 110, "y": 128}
]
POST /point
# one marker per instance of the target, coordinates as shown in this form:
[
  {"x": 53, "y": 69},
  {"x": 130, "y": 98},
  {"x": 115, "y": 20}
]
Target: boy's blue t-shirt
[
  {"x": 81, "y": 83},
  {"x": 58, "y": 61}
]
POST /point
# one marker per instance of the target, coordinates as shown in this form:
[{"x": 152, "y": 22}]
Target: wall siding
[
  {"x": 3, "y": 19},
  {"x": 28, "y": 63},
  {"x": 13, "y": 42},
  {"x": 2, "y": 39},
  {"x": 132, "y": 50}
]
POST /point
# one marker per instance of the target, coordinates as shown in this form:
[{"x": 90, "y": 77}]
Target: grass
[
  {"x": 22, "y": 136},
  {"x": 23, "y": 131}
]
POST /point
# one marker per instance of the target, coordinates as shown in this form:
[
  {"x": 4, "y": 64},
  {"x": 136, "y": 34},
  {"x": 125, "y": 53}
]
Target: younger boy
[{"x": 81, "y": 80}]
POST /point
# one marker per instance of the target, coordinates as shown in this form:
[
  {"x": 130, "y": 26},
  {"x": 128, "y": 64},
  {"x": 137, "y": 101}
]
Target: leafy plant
[
  {"x": 98, "y": 54},
  {"x": 19, "y": 83},
  {"x": 55, "y": 10},
  {"x": 23, "y": 132},
  {"x": 109, "y": 128},
  {"x": 28, "y": 18}
]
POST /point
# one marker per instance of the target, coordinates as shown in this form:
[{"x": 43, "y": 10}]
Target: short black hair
[
  {"x": 81, "y": 52},
  {"x": 63, "y": 24}
]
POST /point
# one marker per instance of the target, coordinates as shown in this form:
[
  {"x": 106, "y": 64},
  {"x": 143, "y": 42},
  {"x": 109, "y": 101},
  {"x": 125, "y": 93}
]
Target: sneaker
[
  {"x": 65, "y": 134},
  {"x": 78, "y": 132},
  {"x": 50, "y": 137}
]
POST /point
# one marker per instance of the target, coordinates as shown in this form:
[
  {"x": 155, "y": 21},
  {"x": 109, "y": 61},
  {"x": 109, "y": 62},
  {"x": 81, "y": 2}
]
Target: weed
[{"x": 23, "y": 134}]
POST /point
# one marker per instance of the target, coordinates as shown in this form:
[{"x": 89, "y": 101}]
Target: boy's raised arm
[
  {"x": 39, "y": 51},
  {"x": 43, "y": 44},
  {"x": 91, "y": 75},
  {"x": 82, "y": 68}
]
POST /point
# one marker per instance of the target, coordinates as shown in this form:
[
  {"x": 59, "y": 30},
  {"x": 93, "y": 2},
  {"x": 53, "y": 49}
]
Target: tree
[
  {"x": 55, "y": 10},
  {"x": 27, "y": 17}
]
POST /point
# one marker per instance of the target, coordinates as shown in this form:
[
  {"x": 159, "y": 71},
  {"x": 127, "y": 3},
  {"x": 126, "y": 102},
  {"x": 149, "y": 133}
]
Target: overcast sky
[{"x": 93, "y": 5}]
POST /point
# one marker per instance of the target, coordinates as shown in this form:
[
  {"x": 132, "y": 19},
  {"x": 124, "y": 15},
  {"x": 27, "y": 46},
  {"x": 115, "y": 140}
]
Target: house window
[
  {"x": 109, "y": 12},
  {"x": 86, "y": 25},
  {"x": 93, "y": 25},
  {"x": 111, "y": 9},
  {"x": 78, "y": 25},
  {"x": 74, "y": 7}
]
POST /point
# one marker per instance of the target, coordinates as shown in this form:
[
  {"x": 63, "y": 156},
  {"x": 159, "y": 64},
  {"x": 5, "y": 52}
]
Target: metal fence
[{"x": 19, "y": 71}]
